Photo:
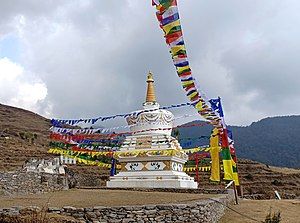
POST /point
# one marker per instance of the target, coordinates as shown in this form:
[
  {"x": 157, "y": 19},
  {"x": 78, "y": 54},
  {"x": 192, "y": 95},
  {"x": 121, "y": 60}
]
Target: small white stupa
[{"x": 151, "y": 157}]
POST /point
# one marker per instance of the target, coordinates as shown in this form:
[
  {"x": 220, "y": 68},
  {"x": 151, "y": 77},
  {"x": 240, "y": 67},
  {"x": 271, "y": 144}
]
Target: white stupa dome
[{"x": 151, "y": 120}]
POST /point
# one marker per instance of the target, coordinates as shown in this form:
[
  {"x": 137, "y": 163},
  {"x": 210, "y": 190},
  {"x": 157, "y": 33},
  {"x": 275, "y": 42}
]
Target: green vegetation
[
  {"x": 28, "y": 136},
  {"x": 273, "y": 217},
  {"x": 273, "y": 141}
]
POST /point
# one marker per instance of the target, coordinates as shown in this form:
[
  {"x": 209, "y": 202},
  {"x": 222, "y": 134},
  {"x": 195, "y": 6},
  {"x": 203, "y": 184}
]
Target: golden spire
[{"x": 150, "y": 97}]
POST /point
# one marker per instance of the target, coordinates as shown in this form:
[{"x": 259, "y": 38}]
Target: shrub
[
  {"x": 249, "y": 176},
  {"x": 273, "y": 217},
  {"x": 277, "y": 183}
]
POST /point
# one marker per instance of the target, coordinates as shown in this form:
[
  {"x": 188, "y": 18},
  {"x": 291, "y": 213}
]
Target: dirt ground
[
  {"x": 258, "y": 209},
  {"x": 97, "y": 197}
]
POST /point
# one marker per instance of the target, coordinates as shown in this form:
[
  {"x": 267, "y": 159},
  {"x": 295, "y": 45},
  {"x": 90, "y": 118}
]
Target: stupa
[{"x": 151, "y": 157}]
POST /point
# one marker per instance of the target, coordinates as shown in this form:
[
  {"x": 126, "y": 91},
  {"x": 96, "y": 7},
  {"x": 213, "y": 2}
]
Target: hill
[
  {"x": 273, "y": 141},
  {"x": 259, "y": 181},
  {"x": 23, "y": 134}
]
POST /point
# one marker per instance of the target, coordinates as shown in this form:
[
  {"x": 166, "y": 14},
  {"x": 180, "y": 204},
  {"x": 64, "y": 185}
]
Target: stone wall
[
  {"x": 207, "y": 211},
  {"x": 21, "y": 182}
]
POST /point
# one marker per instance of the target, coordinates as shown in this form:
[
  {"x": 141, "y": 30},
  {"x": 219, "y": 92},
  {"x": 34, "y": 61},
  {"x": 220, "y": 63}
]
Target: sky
[{"x": 87, "y": 58}]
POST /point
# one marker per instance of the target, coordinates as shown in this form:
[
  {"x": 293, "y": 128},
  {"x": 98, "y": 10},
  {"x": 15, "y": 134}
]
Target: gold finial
[
  {"x": 150, "y": 77},
  {"x": 150, "y": 97}
]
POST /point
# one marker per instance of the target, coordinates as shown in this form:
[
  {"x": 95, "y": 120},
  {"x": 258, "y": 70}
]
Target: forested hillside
[{"x": 274, "y": 141}]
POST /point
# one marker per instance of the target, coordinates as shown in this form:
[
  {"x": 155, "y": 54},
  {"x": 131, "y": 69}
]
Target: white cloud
[
  {"x": 93, "y": 56},
  {"x": 19, "y": 87}
]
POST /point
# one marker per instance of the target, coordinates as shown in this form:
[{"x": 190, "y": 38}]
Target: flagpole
[{"x": 197, "y": 169}]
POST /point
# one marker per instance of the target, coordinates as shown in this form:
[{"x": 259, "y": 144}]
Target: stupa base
[{"x": 153, "y": 179}]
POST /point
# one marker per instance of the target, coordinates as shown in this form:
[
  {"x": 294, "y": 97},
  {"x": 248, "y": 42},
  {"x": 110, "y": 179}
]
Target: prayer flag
[{"x": 170, "y": 26}]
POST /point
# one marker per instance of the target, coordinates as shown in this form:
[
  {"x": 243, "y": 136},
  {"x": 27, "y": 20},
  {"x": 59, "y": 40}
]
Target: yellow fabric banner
[
  {"x": 235, "y": 174},
  {"x": 228, "y": 172},
  {"x": 215, "y": 157}
]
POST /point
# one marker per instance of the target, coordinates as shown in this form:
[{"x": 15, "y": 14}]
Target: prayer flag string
[{"x": 168, "y": 17}]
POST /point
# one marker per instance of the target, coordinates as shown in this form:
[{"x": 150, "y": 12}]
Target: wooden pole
[
  {"x": 226, "y": 144},
  {"x": 197, "y": 169},
  {"x": 235, "y": 193}
]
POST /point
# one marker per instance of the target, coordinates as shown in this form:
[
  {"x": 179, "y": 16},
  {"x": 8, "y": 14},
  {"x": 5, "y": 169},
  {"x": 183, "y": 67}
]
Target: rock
[
  {"x": 150, "y": 207},
  {"x": 127, "y": 220},
  {"x": 165, "y": 207},
  {"x": 30, "y": 210},
  {"x": 99, "y": 208},
  {"x": 89, "y": 209},
  {"x": 180, "y": 206},
  {"x": 69, "y": 209},
  {"x": 54, "y": 209}
]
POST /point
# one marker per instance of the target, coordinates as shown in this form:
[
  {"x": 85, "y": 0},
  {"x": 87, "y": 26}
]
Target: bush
[
  {"x": 249, "y": 176},
  {"x": 273, "y": 217},
  {"x": 30, "y": 137},
  {"x": 277, "y": 183},
  {"x": 35, "y": 217}
]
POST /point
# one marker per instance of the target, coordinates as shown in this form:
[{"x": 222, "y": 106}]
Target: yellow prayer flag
[
  {"x": 181, "y": 69},
  {"x": 198, "y": 106},
  {"x": 228, "y": 172},
  {"x": 170, "y": 26},
  {"x": 215, "y": 157},
  {"x": 192, "y": 95}
]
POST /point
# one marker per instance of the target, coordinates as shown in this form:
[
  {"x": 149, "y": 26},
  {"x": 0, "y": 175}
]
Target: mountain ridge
[{"x": 272, "y": 140}]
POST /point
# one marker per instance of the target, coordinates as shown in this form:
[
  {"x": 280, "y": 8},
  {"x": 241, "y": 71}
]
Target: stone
[
  {"x": 54, "y": 209},
  {"x": 159, "y": 218},
  {"x": 91, "y": 215},
  {"x": 30, "y": 209},
  {"x": 69, "y": 209},
  {"x": 80, "y": 209},
  {"x": 128, "y": 208},
  {"x": 150, "y": 212},
  {"x": 77, "y": 215},
  {"x": 127, "y": 220},
  {"x": 165, "y": 207},
  {"x": 195, "y": 211},
  {"x": 115, "y": 220},
  {"x": 180, "y": 206},
  {"x": 137, "y": 208},
  {"x": 150, "y": 207},
  {"x": 99, "y": 208}
]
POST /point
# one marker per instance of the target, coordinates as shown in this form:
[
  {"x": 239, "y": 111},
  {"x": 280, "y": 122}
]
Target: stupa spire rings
[{"x": 150, "y": 96}]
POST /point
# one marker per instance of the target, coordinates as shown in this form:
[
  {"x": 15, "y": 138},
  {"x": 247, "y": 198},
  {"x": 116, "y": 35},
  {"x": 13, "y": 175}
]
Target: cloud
[
  {"x": 93, "y": 56},
  {"x": 17, "y": 89}
]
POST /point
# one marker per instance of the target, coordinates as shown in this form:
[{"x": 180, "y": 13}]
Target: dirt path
[
  {"x": 290, "y": 211},
  {"x": 89, "y": 198}
]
